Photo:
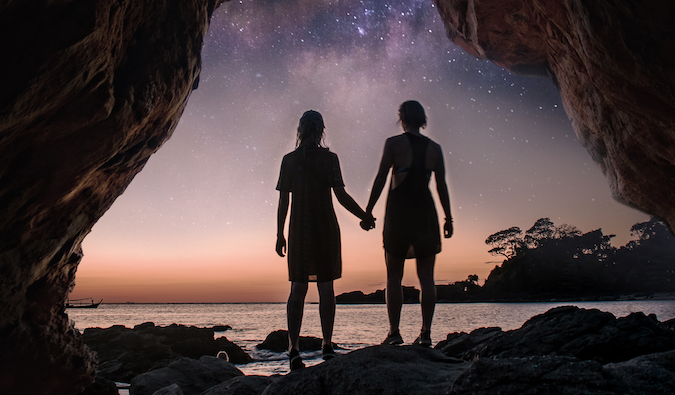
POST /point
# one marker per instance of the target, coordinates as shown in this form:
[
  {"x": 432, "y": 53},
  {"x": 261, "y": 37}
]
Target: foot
[
  {"x": 328, "y": 352},
  {"x": 393, "y": 339},
  {"x": 424, "y": 339},
  {"x": 296, "y": 360}
]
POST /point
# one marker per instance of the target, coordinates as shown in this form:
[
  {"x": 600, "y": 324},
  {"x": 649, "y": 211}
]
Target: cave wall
[
  {"x": 90, "y": 89},
  {"x": 614, "y": 64}
]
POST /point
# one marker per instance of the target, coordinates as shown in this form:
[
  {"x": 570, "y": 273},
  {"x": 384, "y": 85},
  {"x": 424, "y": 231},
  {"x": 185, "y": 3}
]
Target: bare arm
[
  {"x": 443, "y": 195},
  {"x": 381, "y": 179},
  {"x": 282, "y": 211},
  {"x": 349, "y": 203}
]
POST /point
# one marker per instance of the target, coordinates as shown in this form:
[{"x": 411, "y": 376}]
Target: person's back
[{"x": 411, "y": 226}]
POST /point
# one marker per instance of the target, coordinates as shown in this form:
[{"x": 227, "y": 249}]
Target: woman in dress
[
  {"x": 411, "y": 228},
  {"x": 309, "y": 174}
]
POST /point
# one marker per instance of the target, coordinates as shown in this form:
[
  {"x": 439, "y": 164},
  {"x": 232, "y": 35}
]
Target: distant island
[{"x": 549, "y": 262}]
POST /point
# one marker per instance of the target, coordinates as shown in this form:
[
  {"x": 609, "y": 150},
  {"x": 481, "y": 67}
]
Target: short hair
[{"x": 412, "y": 114}]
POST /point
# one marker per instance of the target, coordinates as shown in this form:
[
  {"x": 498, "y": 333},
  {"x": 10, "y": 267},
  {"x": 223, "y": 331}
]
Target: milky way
[{"x": 208, "y": 195}]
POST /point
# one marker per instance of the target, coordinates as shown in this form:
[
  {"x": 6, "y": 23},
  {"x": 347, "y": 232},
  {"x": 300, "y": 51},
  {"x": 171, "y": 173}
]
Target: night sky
[{"x": 199, "y": 222}]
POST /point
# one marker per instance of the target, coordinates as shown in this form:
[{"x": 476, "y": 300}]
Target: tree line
[
  {"x": 563, "y": 261},
  {"x": 550, "y": 261}
]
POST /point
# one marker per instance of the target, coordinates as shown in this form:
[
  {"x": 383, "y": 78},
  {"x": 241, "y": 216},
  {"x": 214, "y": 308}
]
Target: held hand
[
  {"x": 448, "y": 229},
  {"x": 368, "y": 223},
  {"x": 281, "y": 245}
]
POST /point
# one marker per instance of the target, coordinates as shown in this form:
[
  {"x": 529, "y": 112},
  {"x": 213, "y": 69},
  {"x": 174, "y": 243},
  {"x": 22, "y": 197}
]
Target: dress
[
  {"x": 314, "y": 252},
  {"x": 411, "y": 223}
]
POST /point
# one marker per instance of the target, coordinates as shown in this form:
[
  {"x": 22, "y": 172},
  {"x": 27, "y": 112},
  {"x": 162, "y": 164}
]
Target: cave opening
[{"x": 205, "y": 203}]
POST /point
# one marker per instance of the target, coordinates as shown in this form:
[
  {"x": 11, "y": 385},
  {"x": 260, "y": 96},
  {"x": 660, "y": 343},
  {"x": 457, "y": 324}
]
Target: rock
[
  {"x": 101, "y": 387},
  {"x": 191, "y": 375},
  {"x": 568, "y": 331},
  {"x": 653, "y": 374},
  {"x": 125, "y": 353},
  {"x": 375, "y": 370},
  {"x": 173, "y": 389},
  {"x": 410, "y": 295},
  {"x": 235, "y": 354},
  {"x": 90, "y": 90},
  {"x": 221, "y": 328},
  {"x": 457, "y": 344},
  {"x": 243, "y": 385},
  {"x": 277, "y": 341},
  {"x": 613, "y": 64}
]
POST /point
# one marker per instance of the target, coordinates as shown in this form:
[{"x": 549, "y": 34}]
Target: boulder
[
  {"x": 612, "y": 61},
  {"x": 125, "y": 353},
  {"x": 191, "y": 375},
  {"x": 173, "y": 389},
  {"x": 242, "y": 385},
  {"x": 277, "y": 341},
  {"x": 90, "y": 89},
  {"x": 566, "y": 331},
  {"x": 375, "y": 370},
  {"x": 652, "y": 374}
]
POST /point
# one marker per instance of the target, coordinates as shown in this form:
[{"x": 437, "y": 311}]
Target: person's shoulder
[
  {"x": 435, "y": 145},
  {"x": 395, "y": 140}
]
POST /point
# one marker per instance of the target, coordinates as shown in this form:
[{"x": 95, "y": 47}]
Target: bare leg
[
  {"x": 394, "y": 291},
  {"x": 294, "y": 309},
  {"x": 425, "y": 273},
  {"x": 326, "y": 310}
]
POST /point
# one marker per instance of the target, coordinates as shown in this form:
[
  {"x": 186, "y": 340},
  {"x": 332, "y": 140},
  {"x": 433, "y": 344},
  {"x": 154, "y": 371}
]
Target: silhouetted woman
[
  {"x": 309, "y": 173},
  {"x": 411, "y": 224}
]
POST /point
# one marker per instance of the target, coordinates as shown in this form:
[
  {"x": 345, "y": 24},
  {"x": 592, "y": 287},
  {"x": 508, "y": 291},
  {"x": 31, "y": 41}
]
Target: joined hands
[{"x": 368, "y": 223}]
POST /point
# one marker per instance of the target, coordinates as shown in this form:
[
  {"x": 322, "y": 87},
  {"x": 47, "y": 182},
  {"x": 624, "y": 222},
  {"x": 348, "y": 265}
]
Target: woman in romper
[
  {"x": 411, "y": 228},
  {"x": 310, "y": 173}
]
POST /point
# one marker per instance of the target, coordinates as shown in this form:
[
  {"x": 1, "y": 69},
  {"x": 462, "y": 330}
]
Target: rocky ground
[{"x": 566, "y": 350}]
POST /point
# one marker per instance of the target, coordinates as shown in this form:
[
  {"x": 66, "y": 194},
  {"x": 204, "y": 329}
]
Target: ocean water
[{"x": 356, "y": 326}]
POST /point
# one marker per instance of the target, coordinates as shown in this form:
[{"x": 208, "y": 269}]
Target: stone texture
[
  {"x": 173, "y": 389},
  {"x": 375, "y": 370},
  {"x": 652, "y": 374},
  {"x": 191, "y": 375},
  {"x": 125, "y": 353},
  {"x": 243, "y": 385},
  {"x": 614, "y": 64},
  {"x": 566, "y": 331},
  {"x": 90, "y": 89},
  {"x": 277, "y": 341}
]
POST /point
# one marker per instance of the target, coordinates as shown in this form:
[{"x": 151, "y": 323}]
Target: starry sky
[{"x": 198, "y": 224}]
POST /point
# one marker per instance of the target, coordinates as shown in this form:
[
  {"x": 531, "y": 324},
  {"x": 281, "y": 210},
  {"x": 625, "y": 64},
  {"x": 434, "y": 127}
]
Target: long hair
[
  {"x": 412, "y": 114},
  {"x": 310, "y": 130}
]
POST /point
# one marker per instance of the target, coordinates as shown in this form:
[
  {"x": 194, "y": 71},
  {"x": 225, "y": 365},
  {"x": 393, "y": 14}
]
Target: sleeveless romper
[{"x": 411, "y": 227}]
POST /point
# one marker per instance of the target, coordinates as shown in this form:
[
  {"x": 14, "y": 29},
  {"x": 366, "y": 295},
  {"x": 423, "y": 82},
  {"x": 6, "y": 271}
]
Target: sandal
[
  {"x": 328, "y": 352},
  {"x": 393, "y": 339},
  {"x": 424, "y": 339},
  {"x": 296, "y": 360}
]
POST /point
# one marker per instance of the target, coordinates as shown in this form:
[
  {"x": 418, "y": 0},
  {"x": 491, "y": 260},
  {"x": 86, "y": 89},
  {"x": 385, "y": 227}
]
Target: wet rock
[
  {"x": 244, "y": 385},
  {"x": 90, "y": 89},
  {"x": 375, "y": 370},
  {"x": 277, "y": 341},
  {"x": 125, "y": 353},
  {"x": 613, "y": 64},
  {"x": 191, "y": 375},
  {"x": 221, "y": 328},
  {"x": 568, "y": 331},
  {"x": 653, "y": 374}
]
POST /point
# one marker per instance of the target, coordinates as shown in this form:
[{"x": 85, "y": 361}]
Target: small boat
[{"x": 85, "y": 303}]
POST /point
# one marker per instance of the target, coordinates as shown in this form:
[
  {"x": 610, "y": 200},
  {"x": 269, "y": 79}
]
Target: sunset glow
[{"x": 198, "y": 223}]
